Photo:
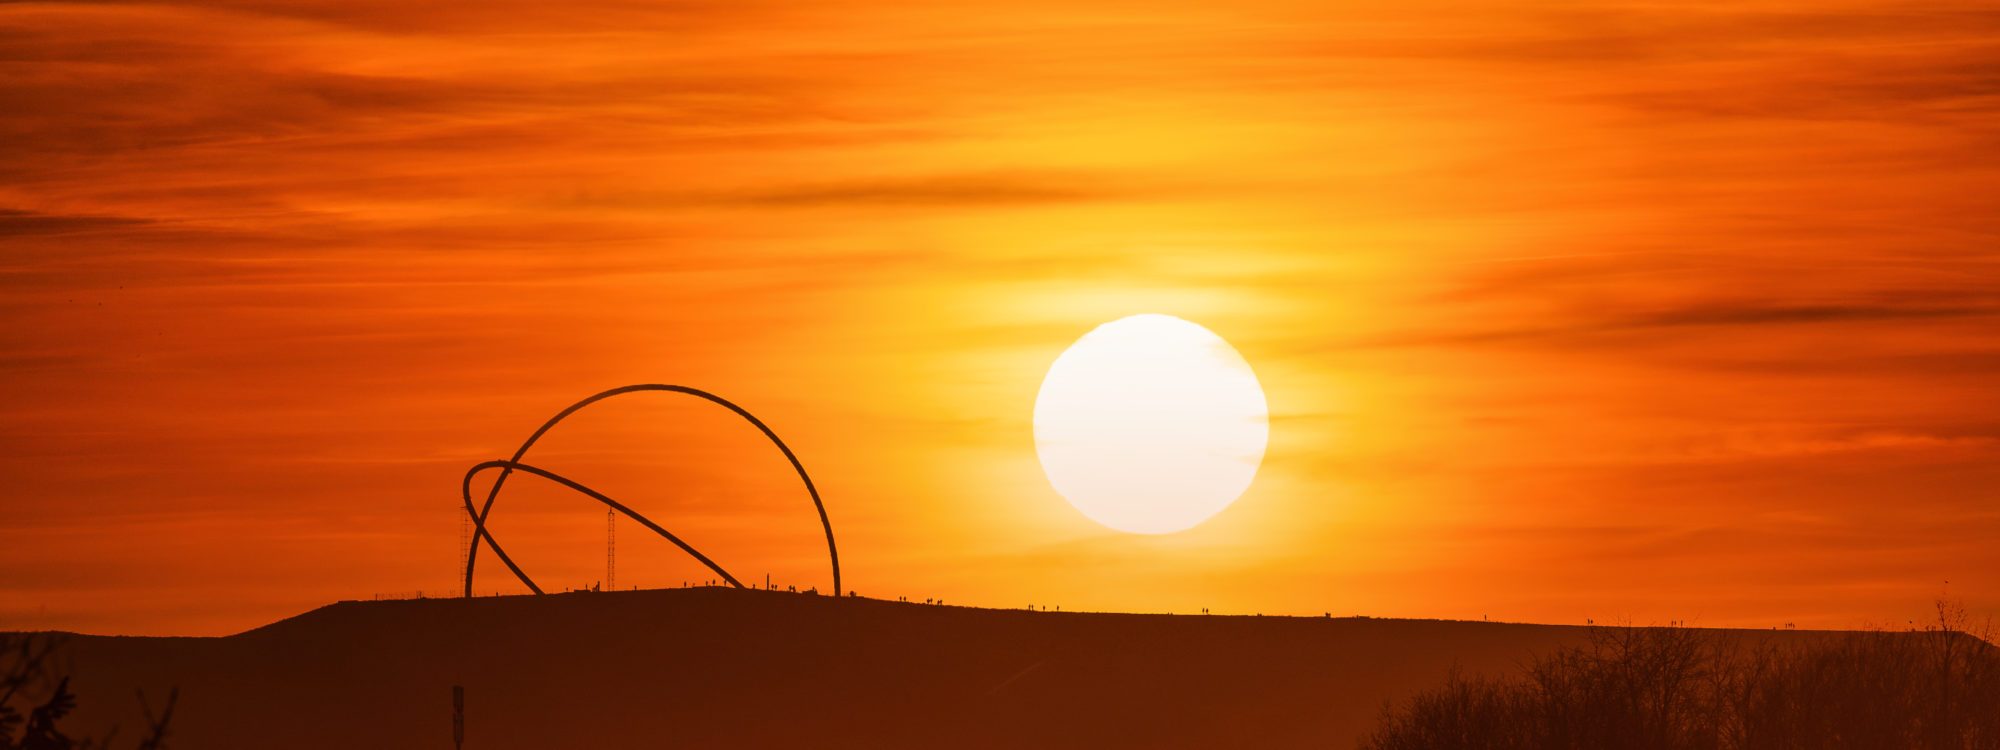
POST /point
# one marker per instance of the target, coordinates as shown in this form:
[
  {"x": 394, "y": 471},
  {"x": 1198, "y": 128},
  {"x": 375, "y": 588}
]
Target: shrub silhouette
[
  {"x": 24, "y": 667},
  {"x": 1677, "y": 688}
]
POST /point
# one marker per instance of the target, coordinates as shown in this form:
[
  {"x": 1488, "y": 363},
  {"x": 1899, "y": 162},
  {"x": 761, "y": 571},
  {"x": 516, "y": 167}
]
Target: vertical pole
[
  {"x": 610, "y": 550},
  {"x": 458, "y": 716}
]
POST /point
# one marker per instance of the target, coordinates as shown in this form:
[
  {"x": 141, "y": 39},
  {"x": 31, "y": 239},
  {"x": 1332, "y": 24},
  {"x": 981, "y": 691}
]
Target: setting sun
[{"x": 1150, "y": 424}]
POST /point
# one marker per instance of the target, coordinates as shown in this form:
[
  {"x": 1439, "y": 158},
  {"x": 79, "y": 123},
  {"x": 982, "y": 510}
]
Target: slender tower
[
  {"x": 610, "y": 550},
  {"x": 464, "y": 545}
]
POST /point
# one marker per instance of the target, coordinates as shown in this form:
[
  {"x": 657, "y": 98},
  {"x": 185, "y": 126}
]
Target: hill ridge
[{"x": 712, "y": 666}]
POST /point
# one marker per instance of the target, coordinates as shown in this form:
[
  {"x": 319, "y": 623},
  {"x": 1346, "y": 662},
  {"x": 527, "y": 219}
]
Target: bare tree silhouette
[
  {"x": 1678, "y": 688},
  {"x": 25, "y": 665}
]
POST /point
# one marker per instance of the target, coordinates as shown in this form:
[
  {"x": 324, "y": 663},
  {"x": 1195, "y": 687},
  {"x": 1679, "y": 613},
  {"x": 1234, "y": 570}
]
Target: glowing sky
[{"x": 1646, "y": 311}]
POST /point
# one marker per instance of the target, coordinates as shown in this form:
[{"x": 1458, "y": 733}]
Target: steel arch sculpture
[{"x": 507, "y": 467}]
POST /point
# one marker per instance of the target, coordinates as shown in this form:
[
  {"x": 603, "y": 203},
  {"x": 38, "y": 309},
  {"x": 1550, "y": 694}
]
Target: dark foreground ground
[{"x": 716, "y": 667}]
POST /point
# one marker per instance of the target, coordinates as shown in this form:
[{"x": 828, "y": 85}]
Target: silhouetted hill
[{"x": 713, "y": 667}]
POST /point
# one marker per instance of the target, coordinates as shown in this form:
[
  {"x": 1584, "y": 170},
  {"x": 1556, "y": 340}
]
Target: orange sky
[{"x": 1627, "y": 311}]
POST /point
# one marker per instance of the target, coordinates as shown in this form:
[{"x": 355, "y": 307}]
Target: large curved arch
[
  {"x": 465, "y": 490},
  {"x": 507, "y": 468}
]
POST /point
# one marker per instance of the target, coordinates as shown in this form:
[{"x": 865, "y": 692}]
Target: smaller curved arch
[{"x": 465, "y": 489}]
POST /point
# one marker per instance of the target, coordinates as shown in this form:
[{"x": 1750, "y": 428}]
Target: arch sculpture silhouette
[{"x": 507, "y": 467}]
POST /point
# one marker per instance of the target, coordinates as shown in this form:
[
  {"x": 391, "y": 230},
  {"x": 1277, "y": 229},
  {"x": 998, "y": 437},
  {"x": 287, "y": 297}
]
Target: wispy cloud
[{"x": 23, "y": 223}]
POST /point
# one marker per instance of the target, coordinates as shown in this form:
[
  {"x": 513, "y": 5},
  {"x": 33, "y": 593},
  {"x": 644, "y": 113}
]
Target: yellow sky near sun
[{"x": 1562, "y": 311}]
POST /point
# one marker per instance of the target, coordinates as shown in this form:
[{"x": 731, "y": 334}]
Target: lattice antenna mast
[
  {"x": 464, "y": 546},
  {"x": 610, "y": 550}
]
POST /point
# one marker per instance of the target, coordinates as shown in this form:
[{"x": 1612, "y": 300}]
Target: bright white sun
[{"x": 1151, "y": 424}]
